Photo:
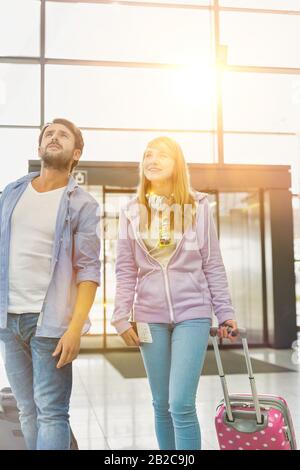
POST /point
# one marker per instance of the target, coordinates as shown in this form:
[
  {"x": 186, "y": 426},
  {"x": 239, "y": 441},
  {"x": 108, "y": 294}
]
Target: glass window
[
  {"x": 265, "y": 150},
  {"x": 20, "y": 145},
  {"x": 261, "y": 102},
  {"x": 181, "y": 2},
  {"x": 261, "y": 39},
  {"x": 129, "y": 146},
  {"x": 296, "y": 212},
  {"x": 113, "y": 203},
  {"x": 297, "y": 289},
  {"x": 19, "y": 27},
  {"x": 19, "y": 94},
  {"x": 97, "y": 310},
  {"x": 122, "y": 32},
  {"x": 240, "y": 243},
  {"x": 131, "y": 97},
  {"x": 292, "y": 5}
]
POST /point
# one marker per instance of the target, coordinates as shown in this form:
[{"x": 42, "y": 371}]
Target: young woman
[{"x": 170, "y": 272}]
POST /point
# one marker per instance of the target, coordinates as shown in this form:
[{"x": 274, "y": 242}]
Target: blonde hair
[{"x": 181, "y": 188}]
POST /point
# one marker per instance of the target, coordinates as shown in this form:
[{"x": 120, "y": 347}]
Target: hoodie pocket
[
  {"x": 150, "y": 290},
  {"x": 140, "y": 287},
  {"x": 194, "y": 281},
  {"x": 185, "y": 289}
]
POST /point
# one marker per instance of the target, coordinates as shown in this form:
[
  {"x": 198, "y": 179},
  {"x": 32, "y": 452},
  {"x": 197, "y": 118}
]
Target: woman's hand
[
  {"x": 226, "y": 329},
  {"x": 130, "y": 337}
]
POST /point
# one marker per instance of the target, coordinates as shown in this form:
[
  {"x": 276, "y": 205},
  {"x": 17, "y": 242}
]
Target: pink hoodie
[{"x": 193, "y": 281}]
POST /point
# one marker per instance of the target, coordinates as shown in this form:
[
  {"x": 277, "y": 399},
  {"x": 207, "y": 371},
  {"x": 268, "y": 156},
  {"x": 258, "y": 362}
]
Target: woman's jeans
[
  {"x": 42, "y": 391},
  {"x": 174, "y": 362}
]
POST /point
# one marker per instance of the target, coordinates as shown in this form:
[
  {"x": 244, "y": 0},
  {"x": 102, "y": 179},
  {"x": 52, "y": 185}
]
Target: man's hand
[
  {"x": 226, "y": 329},
  {"x": 130, "y": 337},
  {"x": 68, "y": 347}
]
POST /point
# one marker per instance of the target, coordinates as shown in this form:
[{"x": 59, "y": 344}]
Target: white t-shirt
[
  {"x": 151, "y": 241},
  {"x": 32, "y": 236}
]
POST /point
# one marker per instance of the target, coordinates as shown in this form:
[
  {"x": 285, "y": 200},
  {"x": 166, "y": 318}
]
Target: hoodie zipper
[
  {"x": 165, "y": 274},
  {"x": 166, "y": 279},
  {"x": 164, "y": 268}
]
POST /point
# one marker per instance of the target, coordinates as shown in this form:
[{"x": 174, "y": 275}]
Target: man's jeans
[{"x": 42, "y": 391}]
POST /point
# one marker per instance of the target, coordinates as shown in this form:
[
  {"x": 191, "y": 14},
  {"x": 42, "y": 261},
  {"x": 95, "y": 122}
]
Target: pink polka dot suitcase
[{"x": 251, "y": 421}]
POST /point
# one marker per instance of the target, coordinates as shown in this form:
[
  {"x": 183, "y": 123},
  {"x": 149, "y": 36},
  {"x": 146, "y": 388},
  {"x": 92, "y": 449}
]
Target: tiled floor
[{"x": 110, "y": 412}]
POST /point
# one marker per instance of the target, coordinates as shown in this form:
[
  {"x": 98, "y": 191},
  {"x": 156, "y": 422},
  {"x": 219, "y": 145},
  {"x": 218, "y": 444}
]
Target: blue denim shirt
[{"x": 75, "y": 256}]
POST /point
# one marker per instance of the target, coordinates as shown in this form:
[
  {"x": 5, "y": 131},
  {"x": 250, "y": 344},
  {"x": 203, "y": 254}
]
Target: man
[{"x": 49, "y": 273}]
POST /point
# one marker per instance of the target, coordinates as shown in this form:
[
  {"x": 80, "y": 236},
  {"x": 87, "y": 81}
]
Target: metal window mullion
[
  {"x": 42, "y": 61},
  {"x": 220, "y": 130}
]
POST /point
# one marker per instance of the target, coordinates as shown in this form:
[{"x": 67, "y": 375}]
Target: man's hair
[{"x": 75, "y": 131}]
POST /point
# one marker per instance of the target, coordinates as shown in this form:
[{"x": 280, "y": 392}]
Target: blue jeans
[
  {"x": 174, "y": 362},
  {"x": 42, "y": 391}
]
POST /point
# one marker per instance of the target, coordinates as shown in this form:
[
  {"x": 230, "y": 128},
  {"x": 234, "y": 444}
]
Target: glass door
[
  {"x": 113, "y": 200},
  {"x": 237, "y": 219},
  {"x": 240, "y": 242},
  {"x": 296, "y": 212},
  {"x": 102, "y": 335}
]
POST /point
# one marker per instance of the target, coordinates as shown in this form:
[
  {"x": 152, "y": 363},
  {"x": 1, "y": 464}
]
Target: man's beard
[{"x": 57, "y": 160}]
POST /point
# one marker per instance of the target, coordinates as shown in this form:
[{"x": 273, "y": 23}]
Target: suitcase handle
[{"x": 243, "y": 333}]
